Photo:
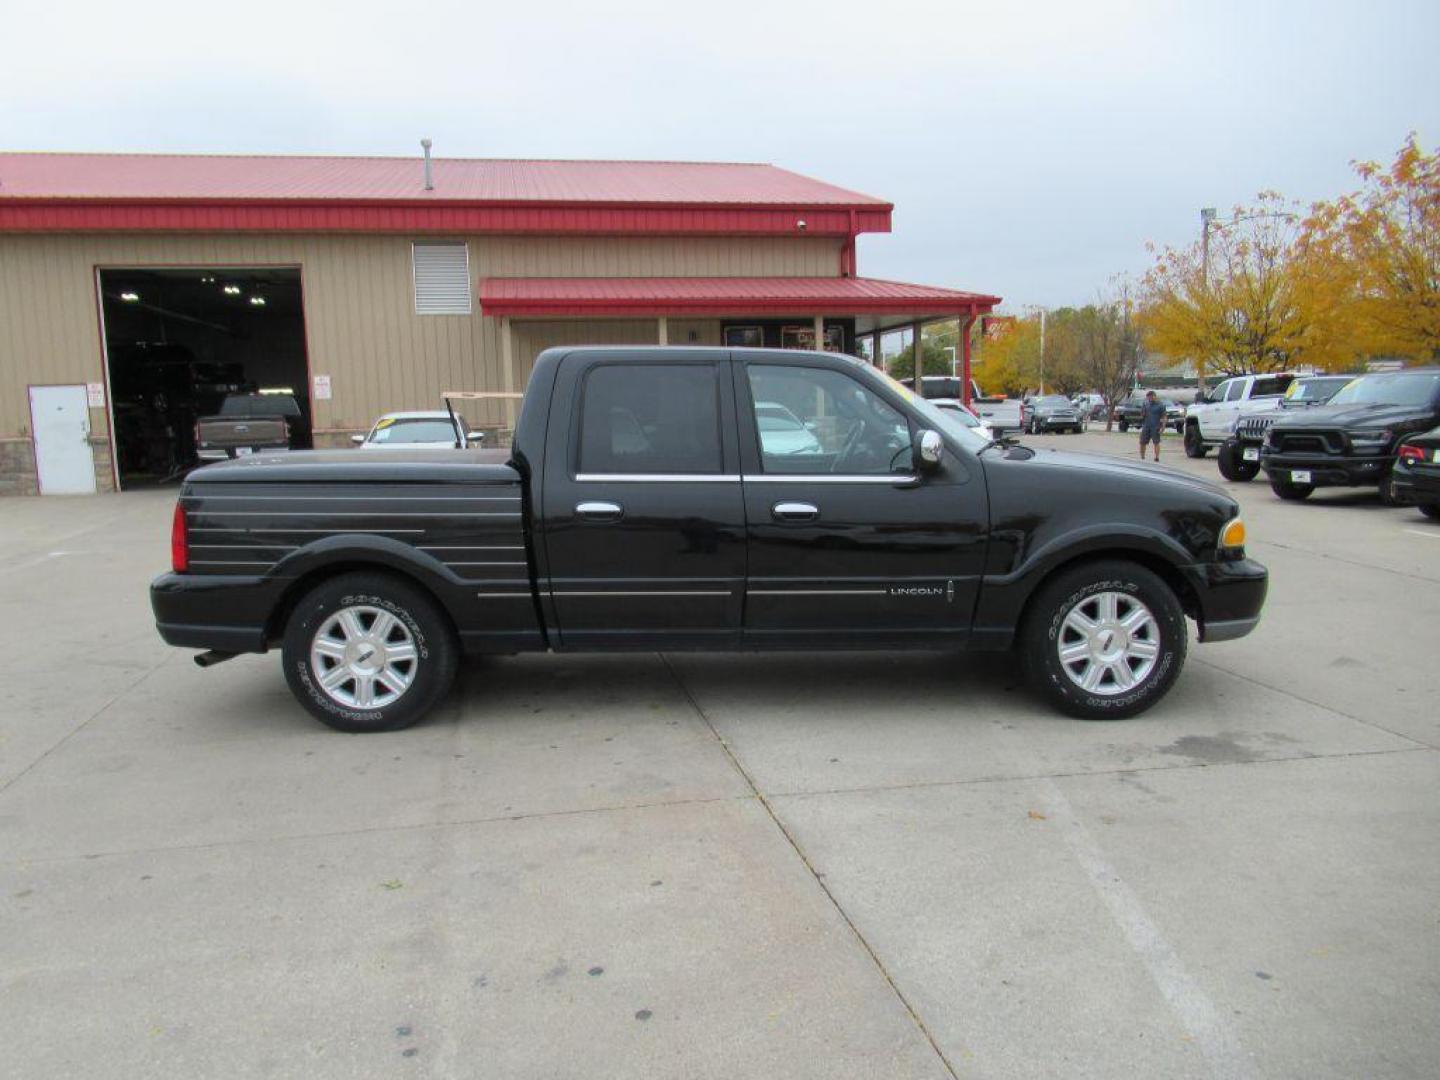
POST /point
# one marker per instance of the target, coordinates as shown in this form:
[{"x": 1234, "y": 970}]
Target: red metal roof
[
  {"x": 715, "y": 296},
  {"x": 54, "y": 192},
  {"x": 195, "y": 176}
]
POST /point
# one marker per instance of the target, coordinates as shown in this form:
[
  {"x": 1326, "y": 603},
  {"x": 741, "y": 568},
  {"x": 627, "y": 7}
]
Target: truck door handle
[
  {"x": 794, "y": 511},
  {"x": 599, "y": 511}
]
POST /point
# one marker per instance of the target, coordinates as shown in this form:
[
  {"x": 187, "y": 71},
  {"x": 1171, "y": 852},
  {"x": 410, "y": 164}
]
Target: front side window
[
  {"x": 650, "y": 418},
  {"x": 814, "y": 421}
]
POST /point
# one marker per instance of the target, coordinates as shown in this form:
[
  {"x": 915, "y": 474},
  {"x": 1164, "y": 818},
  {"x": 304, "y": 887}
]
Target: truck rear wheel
[
  {"x": 1194, "y": 445},
  {"x": 1233, "y": 466},
  {"x": 1104, "y": 641},
  {"x": 369, "y": 652}
]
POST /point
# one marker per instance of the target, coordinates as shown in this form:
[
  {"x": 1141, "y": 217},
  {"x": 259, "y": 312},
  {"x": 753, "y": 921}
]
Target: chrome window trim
[
  {"x": 657, "y": 478},
  {"x": 349, "y": 513},
  {"x": 358, "y": 498},
  {"x": 502, "y": 596}
]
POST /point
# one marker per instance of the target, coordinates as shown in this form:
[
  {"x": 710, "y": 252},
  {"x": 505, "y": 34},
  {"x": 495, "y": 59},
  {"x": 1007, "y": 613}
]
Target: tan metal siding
[{"x": 361, "y": 326}]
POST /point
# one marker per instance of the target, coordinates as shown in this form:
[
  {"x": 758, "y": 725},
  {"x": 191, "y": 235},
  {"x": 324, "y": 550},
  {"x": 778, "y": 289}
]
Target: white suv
[{"x": 1211, "y": 420}]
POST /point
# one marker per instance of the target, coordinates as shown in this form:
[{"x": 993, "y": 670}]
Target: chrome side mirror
[
  {"x": 474, "y": 436},
  {"x": 930, "y": 450},
  {"x": 357, "y": 439}
]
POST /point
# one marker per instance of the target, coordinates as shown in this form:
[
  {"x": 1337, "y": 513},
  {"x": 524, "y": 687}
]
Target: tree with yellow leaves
[
  {"x": 1376, "y": 252},
  {"x": 1248, "y": 301}
]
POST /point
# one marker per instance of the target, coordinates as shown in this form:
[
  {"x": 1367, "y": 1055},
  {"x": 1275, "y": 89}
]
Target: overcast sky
[{"x": 1030, "y": 149}]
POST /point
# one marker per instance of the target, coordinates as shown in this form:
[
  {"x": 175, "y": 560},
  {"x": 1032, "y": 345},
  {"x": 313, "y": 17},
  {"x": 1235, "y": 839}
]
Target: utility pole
[
  {"x": 1207, "y": 218},
  {"x": 1041, "y": 310}
]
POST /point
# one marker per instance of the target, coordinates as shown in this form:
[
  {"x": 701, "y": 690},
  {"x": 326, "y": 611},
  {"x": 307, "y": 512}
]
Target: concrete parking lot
[{"x": 846, "y": 865}]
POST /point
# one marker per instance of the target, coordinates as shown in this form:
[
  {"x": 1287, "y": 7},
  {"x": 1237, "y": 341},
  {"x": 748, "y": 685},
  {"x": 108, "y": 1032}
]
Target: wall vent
[{"x": 442, "y": 277}]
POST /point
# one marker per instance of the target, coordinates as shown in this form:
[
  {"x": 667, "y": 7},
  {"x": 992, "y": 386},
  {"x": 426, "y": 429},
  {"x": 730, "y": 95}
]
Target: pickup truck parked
[
  {"x": 641, "y": 507},
  {"x": 249, "y": 424},
  {"x": 1212, "y": 419},
  {"x": 1239, "y": 455},
  {"x": 1129, "y": 412},
  {"x": 1353, "y": 440},
  {"x": 999, "y": 414}
]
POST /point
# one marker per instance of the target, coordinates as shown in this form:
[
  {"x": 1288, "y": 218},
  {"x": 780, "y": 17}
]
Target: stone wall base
[{"x": 17, "y": 466}]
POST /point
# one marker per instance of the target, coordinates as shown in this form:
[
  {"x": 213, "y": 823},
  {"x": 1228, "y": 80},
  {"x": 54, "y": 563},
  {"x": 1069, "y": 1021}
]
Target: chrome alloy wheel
[
  {"x": 363, "y": 657},
  {"x": 1108, "y": 643}
]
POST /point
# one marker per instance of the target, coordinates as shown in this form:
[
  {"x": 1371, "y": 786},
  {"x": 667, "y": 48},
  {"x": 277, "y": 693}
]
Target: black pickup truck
[
  {"x": 1352, "y": 441},
  {"x": 649, "y": 502}
]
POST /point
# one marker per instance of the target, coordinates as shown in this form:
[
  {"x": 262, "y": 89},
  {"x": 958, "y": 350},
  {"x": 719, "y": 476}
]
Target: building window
[
  {"x": 650, "y": 418},
  {"x": 442, "y": 277},
  {"x": 745, "y": 337}
]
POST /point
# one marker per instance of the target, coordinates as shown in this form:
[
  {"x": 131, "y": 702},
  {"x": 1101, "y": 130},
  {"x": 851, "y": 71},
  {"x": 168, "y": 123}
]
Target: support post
[
  {"x": 664, "y": 333},
  {"x": 819, "y": 333},
  {"x": 875, "y": 356},
  {"x": 965, "y": 325},
  {"x": 917, "y": 331},
  {"x": 507, "y": 369}
]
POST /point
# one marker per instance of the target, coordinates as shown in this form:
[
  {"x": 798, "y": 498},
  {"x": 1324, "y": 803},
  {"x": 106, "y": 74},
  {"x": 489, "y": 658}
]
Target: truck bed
[{"x": 357, "y": 466}]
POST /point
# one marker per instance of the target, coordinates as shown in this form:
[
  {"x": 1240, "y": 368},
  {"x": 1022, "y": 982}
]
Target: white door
[{"x": 60, "y": 419}]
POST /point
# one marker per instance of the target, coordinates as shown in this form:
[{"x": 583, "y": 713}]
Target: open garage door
[{"x": 178, "y": 341}]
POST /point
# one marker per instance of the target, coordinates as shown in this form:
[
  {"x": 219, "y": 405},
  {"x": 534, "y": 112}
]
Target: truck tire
[
  {"x": 1430, "y": 510},
  {"x": 1291, "y": 492},
  {"x": 1233, "y": 466},
  {"x": 1194, "y": 445},
  {"x": 369, "y": 652},
  {"x": 1388, "y": 495},
  {"x": 1104, "y": 640}
]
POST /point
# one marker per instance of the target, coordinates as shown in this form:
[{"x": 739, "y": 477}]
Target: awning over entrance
[{"x": 673, "y": 296}]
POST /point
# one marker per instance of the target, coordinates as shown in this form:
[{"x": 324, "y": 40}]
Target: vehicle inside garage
[{"x": 179, "y": 341}]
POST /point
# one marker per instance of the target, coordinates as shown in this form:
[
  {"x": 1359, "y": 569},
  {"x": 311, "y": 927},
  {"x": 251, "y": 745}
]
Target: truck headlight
[
  {"x": 1370, "y": 441},
  {"x": 1232, "y": 537}
]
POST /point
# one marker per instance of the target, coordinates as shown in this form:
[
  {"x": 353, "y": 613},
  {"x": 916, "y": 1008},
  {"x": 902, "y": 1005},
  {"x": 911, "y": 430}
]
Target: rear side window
[
  {"x": 1272, "y": 386},
  {"x": 1237, "y": 390},
  {"x": 650, "y": 418}
]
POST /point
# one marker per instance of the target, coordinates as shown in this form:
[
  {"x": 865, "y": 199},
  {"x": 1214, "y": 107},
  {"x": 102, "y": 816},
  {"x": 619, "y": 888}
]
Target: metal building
[{"x": 136, "y": 290}]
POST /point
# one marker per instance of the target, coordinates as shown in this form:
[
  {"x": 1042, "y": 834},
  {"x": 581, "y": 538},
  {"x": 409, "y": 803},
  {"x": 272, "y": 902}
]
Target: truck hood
[
  {"x": 1103, "y": 465},
  {"x": 1352, "y": 416}
]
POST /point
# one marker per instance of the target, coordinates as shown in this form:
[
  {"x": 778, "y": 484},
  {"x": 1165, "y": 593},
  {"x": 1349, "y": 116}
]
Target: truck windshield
[
  {"x": 1399, "y": 388},
  {"x": 418, "y": 430}
]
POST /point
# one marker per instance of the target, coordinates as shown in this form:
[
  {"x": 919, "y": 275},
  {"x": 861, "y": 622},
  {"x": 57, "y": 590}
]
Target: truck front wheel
[
  {"x": 1104, "y": 641},
  {"x": 368, "y": 652},
  {"x": 1233, "y": 466},
  {"x": 1194, "y": 445}
]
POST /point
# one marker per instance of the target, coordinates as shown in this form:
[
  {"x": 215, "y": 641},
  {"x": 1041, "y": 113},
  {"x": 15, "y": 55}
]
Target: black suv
[
  {"x": 1352, "y": 441},
  {"x": 1239, "y": 457}
]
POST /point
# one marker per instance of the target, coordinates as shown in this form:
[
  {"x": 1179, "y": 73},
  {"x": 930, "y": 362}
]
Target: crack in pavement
[{"x": 815, "y": 876}]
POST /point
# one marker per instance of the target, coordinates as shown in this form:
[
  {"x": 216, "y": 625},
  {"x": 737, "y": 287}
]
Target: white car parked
[
  {"x": 954, "y": 407},
  {"x": 419, "y": 431}
]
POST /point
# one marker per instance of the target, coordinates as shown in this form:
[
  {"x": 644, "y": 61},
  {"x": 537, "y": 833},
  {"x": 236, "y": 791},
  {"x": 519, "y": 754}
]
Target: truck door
[
  {"x": 642, "y": 519},
  {"x": 848, "y": 544}
]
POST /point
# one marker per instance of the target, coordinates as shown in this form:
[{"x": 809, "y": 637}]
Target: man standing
[{"x": 1152, "y": 423}]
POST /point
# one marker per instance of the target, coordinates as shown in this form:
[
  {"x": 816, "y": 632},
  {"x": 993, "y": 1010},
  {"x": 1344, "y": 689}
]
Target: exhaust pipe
[
  {"x": 429, "y": 177},
  {"x": 213, "y": 657}
]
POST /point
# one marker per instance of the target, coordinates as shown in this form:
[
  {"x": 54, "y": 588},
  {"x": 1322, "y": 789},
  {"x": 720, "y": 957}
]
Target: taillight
[
  {"x": 197, "y": 434},
  {"x": 1412, "y": 453},
  {"x": 179, "y": 541}
]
